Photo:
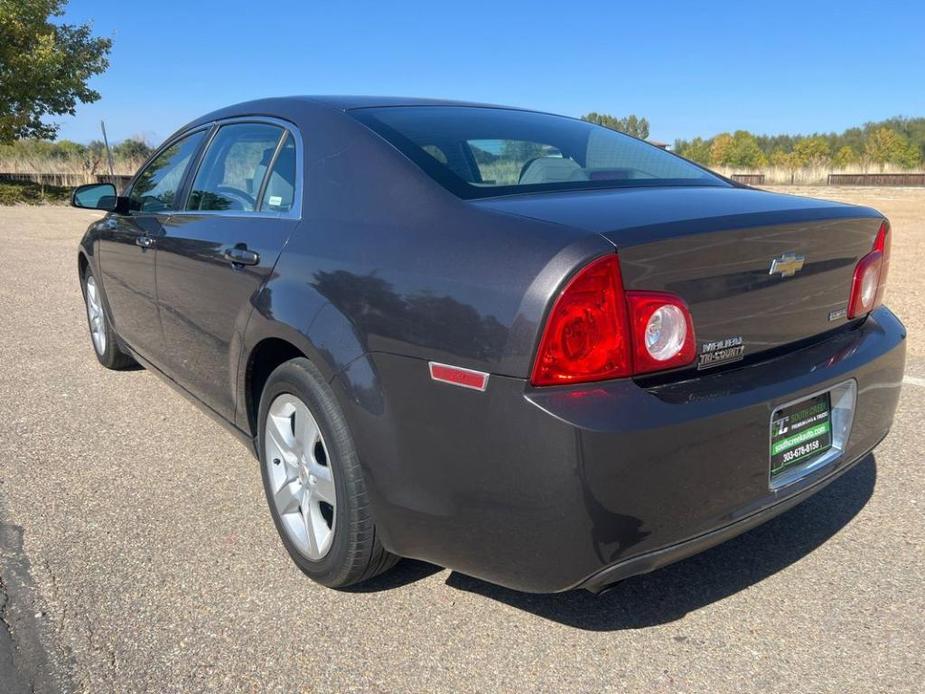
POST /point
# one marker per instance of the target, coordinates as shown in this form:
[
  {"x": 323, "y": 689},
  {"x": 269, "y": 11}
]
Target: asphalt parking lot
[{"x": 136, "y": 552}]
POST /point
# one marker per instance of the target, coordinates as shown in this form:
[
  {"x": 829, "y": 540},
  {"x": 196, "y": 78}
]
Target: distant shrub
[{"x": 27, "y": 193}]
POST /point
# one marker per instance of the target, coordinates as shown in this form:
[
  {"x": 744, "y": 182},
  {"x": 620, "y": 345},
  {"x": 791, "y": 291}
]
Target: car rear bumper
[
  {"x": 656, "y": 559},
  {"x": 550, "y": 489}
]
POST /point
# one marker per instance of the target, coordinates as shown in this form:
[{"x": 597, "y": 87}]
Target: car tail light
[
  {"x": 597, "y": 331},
  {"x": 585, "y": 338},
  {"x": 869, "y": 281},
  {"x": 883, "y": 243},
  {"x": 663, "y": 332}
]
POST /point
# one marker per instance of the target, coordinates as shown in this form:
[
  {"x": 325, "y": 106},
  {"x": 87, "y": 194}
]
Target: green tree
[
  {"x": 721, "y": 150},
  {"x": 853, "y": 138},
  {"x": 697, "y": 150},
  {"x": 521, "y": 151},
  {"x": 132, "y": 150},
  {"x": 483, "y": 156},
  {"x": 846, "y": 156},
  {"x": 637, "y": 127},
  {"x": 913, "y": 129},
  {"x": 813, "y": 151},
  {"x": 631, "y": 125},
  {"x": 44, "y": 67},
  {"x": 744, "y": 151},
  {"x": 886, "y": 146},
  {"x": 66, "y": 150}
]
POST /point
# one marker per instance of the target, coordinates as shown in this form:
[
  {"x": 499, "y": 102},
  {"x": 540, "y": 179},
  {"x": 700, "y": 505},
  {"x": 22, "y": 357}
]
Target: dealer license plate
[{"x": 800, "y": 432}]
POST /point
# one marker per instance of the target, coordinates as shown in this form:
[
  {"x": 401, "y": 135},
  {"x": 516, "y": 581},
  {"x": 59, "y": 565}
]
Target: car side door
[
  {"x": 243, "y": 204},
  {"x": 128, "y": 245}
]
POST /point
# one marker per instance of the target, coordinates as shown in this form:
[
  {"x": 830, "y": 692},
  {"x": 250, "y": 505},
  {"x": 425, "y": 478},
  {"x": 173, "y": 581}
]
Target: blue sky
[{"x": 690, "y": 68}]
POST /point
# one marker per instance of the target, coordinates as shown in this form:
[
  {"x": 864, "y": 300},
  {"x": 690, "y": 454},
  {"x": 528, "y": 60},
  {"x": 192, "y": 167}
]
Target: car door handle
[
  {"x": 144, "y": 241},
  {"x": 242, "y": 256}
]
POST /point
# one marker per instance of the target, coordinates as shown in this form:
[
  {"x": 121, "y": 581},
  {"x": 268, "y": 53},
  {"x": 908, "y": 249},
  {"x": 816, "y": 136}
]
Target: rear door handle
[
  {"x": 144, "y": 241},
  {"x": 242, "y": 256}
]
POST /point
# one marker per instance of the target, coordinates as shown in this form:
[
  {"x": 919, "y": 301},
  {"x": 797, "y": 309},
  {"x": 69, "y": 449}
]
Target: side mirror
[{"x": 95, "y": 196}]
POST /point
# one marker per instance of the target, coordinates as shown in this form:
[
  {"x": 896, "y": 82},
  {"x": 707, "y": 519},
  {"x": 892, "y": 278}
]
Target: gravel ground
[{"x": 138, "y": 554}]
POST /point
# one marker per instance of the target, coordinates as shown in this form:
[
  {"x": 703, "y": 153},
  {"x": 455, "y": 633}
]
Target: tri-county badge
[{"x": 721, "y": 352}]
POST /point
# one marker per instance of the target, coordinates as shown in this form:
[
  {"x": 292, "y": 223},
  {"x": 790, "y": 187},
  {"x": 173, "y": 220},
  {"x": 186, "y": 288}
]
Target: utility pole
[{"x": 112, "y": 174}]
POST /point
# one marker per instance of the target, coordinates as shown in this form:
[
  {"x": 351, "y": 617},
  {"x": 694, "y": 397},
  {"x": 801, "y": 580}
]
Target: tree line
[
  {"x": 45, "y": 156},
  {"x": 631, "y": 124},
  {"x": 897, "y": 141}
]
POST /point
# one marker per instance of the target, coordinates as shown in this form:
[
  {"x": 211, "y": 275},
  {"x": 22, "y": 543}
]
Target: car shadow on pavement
[{"x": 670, "y": 593}]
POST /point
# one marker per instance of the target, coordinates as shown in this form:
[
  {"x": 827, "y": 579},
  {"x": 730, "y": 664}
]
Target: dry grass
[
  {"x": 66, "y": 169},
  {"x": 503, "y": 172},
  {"x": 44, "y": 165}
]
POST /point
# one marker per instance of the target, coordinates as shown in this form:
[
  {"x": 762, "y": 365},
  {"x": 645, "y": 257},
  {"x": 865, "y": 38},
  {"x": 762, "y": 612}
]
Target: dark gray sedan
[{"x": 514, "y": 344}]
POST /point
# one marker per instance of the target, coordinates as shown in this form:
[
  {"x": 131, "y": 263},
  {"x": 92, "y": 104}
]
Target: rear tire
[
  {"x": 313, "y": 481},
  {"x": 102, "y": 336}
]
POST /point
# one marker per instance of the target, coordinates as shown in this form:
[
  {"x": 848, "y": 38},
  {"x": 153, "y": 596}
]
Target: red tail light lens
[
  {"x": 663, "y": 332},
  {"x": 596, "y": 331},
  {"x": 883, "y": 244},
  {"x": 585, "y": 338},
  {"x": 870, "y": 274}
]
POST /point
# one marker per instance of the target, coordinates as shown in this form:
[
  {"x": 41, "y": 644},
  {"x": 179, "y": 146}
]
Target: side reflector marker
[{"x": 458, "y": 376}]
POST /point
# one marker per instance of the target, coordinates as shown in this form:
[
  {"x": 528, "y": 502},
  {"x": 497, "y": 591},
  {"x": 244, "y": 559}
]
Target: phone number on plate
[{"x": 800, "y": 451}]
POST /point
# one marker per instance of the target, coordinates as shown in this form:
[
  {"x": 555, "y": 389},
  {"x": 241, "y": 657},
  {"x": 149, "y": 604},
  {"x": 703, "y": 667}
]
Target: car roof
[
  {"x": 348, "y": 102},
  {"x": 285, "y": 106},
  {"x": 289, "y": 107}
]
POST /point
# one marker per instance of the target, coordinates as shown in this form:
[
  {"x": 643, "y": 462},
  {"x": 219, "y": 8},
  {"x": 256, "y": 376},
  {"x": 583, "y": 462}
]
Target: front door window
[{"x": 156, "y": 187}]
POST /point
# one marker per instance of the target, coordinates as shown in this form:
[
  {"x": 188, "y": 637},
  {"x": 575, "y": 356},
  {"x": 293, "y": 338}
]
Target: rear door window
[
  {"x": 233, "y": 169},
  {"x": 279, "y": 190},
  {"x": 156, "y": 187}
]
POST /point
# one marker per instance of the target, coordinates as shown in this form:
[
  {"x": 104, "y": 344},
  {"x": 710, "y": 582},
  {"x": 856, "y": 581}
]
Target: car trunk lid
[{"x": 758, "y": 270}]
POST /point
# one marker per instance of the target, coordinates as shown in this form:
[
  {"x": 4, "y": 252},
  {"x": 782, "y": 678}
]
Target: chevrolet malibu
[{"x": 514, "y": 344}]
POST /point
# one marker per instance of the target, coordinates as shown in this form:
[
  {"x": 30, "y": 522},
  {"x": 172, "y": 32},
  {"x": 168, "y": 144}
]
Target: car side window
[
  {"x": 234, "y": 166},
  {"x": 280, "y": 187},
  {"x": 156, "y": 187}
]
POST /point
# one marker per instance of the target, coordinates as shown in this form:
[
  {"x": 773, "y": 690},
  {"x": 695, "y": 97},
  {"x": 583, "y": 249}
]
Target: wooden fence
[
  {"x": 66, "y": 180},
  {"x": 877, "y": 179},
  {"x": 749, "y": 179}
]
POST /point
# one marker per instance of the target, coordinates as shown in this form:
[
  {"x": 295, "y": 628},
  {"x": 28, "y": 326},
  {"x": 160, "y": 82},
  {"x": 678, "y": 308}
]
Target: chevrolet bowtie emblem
[{"x": 787, "y": 265}]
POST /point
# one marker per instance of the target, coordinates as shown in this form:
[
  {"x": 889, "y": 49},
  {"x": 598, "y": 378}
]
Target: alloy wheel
[
  {"x": 96, "y": 316},
  {"x": 300, "y": 475}
]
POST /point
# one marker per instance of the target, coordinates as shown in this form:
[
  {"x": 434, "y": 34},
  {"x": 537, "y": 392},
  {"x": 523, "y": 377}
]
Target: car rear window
[{"x": 481, "y": 151}]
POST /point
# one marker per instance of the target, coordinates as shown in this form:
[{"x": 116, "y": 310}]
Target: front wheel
[
  {"x": 313, "y": 482},
  {"x": 103, "y": 337}
]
